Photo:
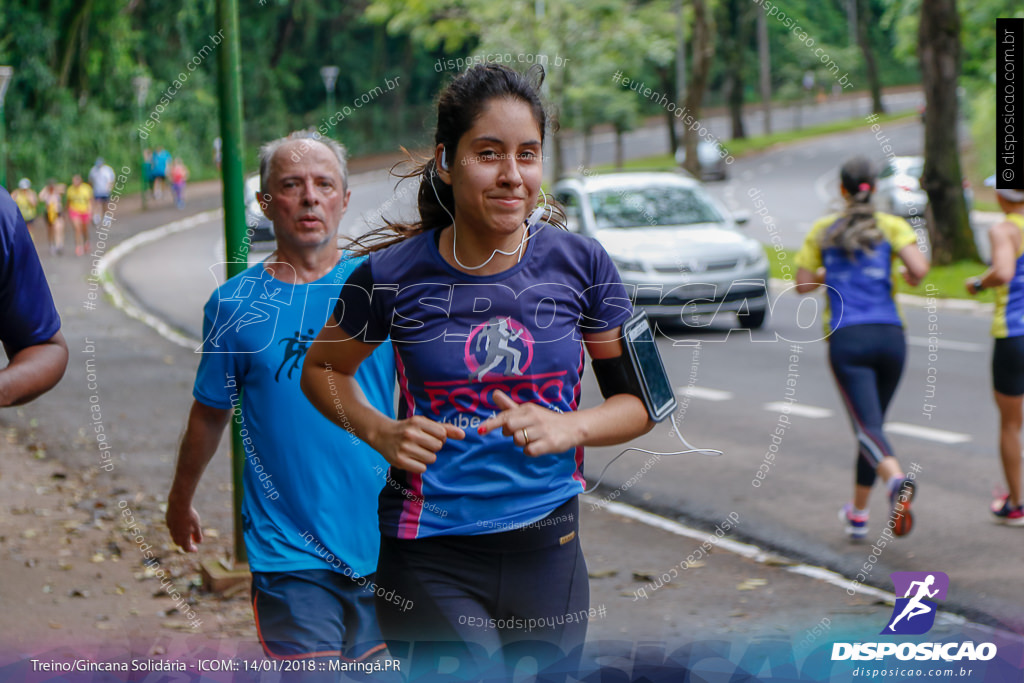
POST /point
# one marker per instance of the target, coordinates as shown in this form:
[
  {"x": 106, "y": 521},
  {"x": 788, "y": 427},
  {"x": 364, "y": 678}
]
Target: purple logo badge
[{"x": 914, "y": 613}]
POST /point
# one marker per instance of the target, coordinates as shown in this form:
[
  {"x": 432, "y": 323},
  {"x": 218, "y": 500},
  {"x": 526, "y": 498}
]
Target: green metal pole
[{"x": 229, "y": 89}]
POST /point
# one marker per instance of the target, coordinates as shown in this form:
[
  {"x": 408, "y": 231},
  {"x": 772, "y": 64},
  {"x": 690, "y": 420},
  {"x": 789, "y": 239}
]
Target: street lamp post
[
  {"x": 330, "y": 76},
  {"x": 141, "y": 85},
  {"x": 6, "y": 72}
]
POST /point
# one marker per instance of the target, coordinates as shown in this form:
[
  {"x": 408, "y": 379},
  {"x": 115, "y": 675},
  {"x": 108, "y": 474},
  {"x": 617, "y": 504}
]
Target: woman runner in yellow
[
  {"x": 80, "y": 211},
  {"x": 1007, "y": 277}
]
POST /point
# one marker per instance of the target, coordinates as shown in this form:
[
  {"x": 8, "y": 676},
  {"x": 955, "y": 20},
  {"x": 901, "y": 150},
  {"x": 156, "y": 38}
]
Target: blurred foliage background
[{"x": 72, "y": 99}]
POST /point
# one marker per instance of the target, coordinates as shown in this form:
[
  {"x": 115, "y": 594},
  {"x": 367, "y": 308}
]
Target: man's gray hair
[{"x": 271, "y": 148}]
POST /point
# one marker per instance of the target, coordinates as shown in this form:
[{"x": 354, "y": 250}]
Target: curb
[
  {"x": 762, "y": 556},
  {"x": 122, "y": 301}
]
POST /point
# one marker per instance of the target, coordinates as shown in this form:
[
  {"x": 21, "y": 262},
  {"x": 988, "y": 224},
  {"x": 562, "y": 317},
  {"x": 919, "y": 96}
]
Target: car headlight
[
  {"x": 755, "y": 257},
  {"x": 629, "y": 265}
]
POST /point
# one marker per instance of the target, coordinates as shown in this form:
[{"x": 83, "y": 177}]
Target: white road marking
[
  {"x": 757, "y": 554},
  {"x": 813, "y": 412},
  {"x": 951, "y": 345},
  {"x": 940, "y": 435},
  {"x": 824, "y": 186},
  {"x": 705, "y": 393},
  {"x": 126, "y": 247}
]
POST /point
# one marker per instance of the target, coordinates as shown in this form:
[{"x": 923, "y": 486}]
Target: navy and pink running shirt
[{"x": 457, "y": 339}]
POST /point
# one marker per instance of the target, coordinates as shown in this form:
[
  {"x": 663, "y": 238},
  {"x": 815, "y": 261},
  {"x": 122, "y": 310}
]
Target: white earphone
[{"x": 531, "y": 221}]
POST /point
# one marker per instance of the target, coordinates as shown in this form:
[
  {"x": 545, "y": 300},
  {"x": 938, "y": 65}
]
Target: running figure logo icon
[
  {"x": 295, "y": 351},
  {"x": 914, "y": 613},
  {"x": 502, "y": 340}
]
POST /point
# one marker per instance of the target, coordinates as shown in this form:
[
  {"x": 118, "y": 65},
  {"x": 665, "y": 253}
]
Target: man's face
[{"x": 307, "y": 196}]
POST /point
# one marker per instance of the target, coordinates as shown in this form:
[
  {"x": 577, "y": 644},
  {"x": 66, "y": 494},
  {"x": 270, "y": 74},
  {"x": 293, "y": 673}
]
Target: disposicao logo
[{"x": 912, "y": 615}]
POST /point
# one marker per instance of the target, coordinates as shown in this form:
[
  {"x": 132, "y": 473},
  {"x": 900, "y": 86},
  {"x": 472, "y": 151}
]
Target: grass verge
[{"x": 738, "y": 148}]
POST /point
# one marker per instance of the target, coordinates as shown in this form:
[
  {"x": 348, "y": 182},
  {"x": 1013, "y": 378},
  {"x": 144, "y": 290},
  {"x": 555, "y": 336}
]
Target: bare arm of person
[
  {"x": 328, "y": 381},
  {"x": 33, "y": 371},
  {"x": 916, "y": 264},
  {"x": 808, "y": 281},
  {"x": 1005, "y": 240},
  {"x": 202, "y": 435}
]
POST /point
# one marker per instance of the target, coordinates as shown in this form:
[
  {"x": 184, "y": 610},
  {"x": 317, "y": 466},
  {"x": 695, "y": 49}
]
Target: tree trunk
[
  {"x": 735, "y": 24},
  {"x": 668, "y": 86},
  {"x": 71, "y": 44},
  {"x": 557, "y": 160},
  {"x": 702, "y": 51},
  {"x": 285, "y": 27},
  {"x": 764, "y": 56},
  {"x": 939, "y": 53},
  {"x": 735, "y": 87},
  {"x": 864, "y": 17}
]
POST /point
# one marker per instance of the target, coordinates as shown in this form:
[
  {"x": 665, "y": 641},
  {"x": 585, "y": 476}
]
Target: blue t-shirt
[
  {"x": 310, "y": 488},
  {"x": 860, "y": 289},
  {"x": 160, "y": 161},
  {"x": 460, "y": 337},
  {"x": 27, "y": 314}
]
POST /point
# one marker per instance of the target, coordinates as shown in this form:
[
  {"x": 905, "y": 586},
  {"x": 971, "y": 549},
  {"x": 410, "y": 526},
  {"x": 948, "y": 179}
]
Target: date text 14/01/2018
[{"x": 313, "y": 664}]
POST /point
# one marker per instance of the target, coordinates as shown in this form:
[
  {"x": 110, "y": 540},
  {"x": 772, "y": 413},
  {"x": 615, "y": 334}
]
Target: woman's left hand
[{"x": 537, "y": 430}]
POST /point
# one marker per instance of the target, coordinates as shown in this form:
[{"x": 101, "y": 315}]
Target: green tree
[{"x": 939, "y": 50}]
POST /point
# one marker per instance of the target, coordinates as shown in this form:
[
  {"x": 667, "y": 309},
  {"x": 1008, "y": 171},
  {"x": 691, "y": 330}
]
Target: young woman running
[
  {"x": 852, "y": 254},
  {"x": 489, "y": 314}
]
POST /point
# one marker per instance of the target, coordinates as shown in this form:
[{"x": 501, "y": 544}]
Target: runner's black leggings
[
  {"x": 867, "y": 361},
  {"x": 487, "y": 600}
]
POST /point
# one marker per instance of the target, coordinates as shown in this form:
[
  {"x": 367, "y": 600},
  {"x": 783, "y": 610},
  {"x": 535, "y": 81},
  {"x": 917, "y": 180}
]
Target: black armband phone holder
[{"x": 639, "y": 371}]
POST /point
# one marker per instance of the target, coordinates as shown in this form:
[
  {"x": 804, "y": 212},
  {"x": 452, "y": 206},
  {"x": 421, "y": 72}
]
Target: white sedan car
[
  {"x": 898, "y": 188},
  {"x": 678, "y": 251}
]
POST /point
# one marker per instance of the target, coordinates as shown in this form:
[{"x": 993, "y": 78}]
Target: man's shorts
[{"x": 315, "y": 613}]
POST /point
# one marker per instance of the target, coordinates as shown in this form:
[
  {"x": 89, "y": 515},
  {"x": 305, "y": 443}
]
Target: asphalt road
[{"x": 730, "y": 386}]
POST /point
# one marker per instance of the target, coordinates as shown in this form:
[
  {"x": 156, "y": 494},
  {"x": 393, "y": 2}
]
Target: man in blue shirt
[
  {"x": 310, "y": 489},
  {"x": 161, "y": 160},
  {"x": 29, "y": 324}
]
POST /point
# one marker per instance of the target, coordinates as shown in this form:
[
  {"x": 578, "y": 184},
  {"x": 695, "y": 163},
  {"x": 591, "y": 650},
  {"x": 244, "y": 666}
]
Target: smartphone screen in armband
[{"x": 643, "y": 352}]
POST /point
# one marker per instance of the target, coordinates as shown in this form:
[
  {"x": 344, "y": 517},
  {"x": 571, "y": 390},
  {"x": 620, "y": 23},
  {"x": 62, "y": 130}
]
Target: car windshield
[
  {"x": 914, "y": 169},
  {"x": 635, "y": 207},
  {"x": 910, "y": 167}
]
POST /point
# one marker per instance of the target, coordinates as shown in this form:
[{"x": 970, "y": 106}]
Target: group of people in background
[
  {"x": 858, "y": 255},
  {"x": 83, "y": 203},
  {"x": 159, "y": 169}
]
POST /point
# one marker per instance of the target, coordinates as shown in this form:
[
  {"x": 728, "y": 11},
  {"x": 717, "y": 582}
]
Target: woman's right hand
[{"x": 412, "y": 444}]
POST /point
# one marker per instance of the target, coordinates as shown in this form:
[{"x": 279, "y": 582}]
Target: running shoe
[
  {"x": 901, "y": 519},
  {"x": 1006, "y": 513},
  {"x": 856, "y": 525}
]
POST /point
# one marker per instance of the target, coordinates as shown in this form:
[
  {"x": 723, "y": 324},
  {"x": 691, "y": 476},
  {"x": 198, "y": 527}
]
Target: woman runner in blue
[
  {"x": 852, "y": 254},
  {"x": 489, "y": 314}
]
